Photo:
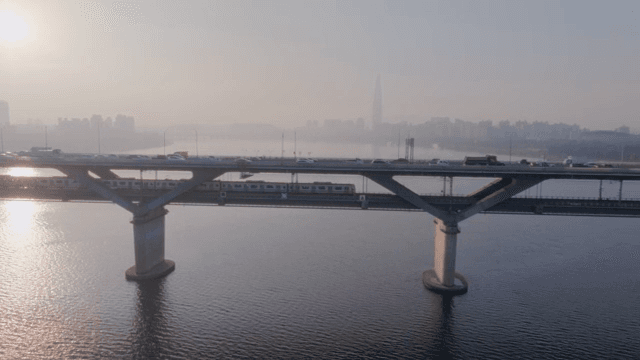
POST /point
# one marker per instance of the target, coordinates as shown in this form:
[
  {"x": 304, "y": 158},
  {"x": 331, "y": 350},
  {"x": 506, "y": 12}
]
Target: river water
[{"x": 302, "y": 283}]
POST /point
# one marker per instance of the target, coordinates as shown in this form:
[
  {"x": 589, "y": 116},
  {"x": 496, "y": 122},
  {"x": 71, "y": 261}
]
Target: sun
[{"x": 12, "y": 27}]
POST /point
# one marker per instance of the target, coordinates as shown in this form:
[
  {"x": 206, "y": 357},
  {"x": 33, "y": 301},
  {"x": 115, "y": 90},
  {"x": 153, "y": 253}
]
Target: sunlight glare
[
  {"x": 22, "y": 171},
  {"x": 12, "y": 27},
  {"x": 20, "y": 216}
]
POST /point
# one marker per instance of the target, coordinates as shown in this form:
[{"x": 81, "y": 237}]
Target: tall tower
[
  {"x": 376, "y": 118},
  {"x": 4, "y": 113}
]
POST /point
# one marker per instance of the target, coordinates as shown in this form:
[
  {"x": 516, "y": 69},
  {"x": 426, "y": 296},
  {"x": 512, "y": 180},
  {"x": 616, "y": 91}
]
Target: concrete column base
[
  {"x": 431, "y": 282},
  {"x": 148, "y": 236},
  {"x": 158, "y": 271},
  {"x": 445, "y": 240},
  {"x": 441, "y": 279}
]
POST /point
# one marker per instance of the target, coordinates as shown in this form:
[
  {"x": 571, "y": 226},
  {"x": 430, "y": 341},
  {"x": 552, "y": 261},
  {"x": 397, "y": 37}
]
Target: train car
[
  {"x": 321, "y": 188},
  {"x": 343, "y": 189},
  {"x": 275, "y": 187},
  {"x": 57, "y": 182},
  {"x": 258, "y": 186}
]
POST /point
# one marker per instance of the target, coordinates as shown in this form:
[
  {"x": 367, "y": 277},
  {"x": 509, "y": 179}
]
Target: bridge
[{"x": 147, "y": 204}]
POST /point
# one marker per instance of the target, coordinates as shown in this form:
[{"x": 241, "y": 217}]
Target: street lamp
[
  {"x": 164, "y": 141},
  {"x": 197, "y": 155},
  {"x": 510, "y": 140}
]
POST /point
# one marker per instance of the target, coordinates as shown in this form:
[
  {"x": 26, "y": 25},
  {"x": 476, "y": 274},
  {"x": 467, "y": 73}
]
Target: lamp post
[
  {"x": 98, "y": 137},
  {"x": 164, "y": 141},
  {"x": 46, "y": 143},
  {"x": 510, "y": 140},
  {"x": 2, "y": 139},
  {"x": 197, "y": 155}
]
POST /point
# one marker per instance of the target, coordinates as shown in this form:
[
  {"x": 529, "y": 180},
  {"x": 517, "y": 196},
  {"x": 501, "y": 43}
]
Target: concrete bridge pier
[
  {"x": 441, "y": 278},
  {"x": 148, "y": 238}
]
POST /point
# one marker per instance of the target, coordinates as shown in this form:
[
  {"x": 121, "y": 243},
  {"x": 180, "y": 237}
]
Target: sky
[{"x": 286, "y": 62}]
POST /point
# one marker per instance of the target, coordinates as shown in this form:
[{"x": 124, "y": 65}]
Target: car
[
  {"x": 214, "y": 158},
  {"x": 305, "y": 161},
  {"x": 443, "y": 163},
  {"x": 539, "y": 164},
  {"x": 242, "y": 161},
  {"x": 174, "y": 157},
  {"x": 380, "y": 161},
  {"x": 356, "y": 161},
  {"x": 400, "y": 161},
  {"x": 591, "y": 164},
  {"x": 578, "y": 165},
  {"x": 604, "y": 166},
  {"x": 132, "y": 157},
  {"x": 524, "y": 162}
]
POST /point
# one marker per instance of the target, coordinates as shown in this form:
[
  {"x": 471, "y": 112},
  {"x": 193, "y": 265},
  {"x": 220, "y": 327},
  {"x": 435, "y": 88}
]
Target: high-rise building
[
  {"x": 376, "y": 119},
  {"x": 4, "y": 113},
  {"x": 126, "y": 123}
]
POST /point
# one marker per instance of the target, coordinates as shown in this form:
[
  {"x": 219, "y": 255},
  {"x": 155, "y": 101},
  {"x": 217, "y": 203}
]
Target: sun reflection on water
[{"x": 19, "y": 216}]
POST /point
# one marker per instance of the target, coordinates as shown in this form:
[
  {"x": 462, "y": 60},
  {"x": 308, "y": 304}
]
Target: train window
[
  {"x": 172, "y": 183},
  {"x": 59, "y": 182},
  {"x": 305, "y": 187},
  {"x": 269, "y": 186},
  {"x": 254, "y": 186},
  {"x": 122, "y": 183},
  {"x": 322, "y": 187},
  {"x": 337, "y": 188},
  {"x": 237, "y": 185}
]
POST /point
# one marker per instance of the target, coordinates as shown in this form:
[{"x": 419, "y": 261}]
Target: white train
[{"x": 209, "y": 186}]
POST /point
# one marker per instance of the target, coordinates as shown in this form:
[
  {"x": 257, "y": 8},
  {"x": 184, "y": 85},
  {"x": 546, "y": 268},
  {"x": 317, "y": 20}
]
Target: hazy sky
[{"x": 285, "y": 62}]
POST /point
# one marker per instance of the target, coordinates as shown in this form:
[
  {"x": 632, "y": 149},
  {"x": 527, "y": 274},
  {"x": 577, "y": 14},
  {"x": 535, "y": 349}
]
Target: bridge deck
[{"x": 326, "y": 167}]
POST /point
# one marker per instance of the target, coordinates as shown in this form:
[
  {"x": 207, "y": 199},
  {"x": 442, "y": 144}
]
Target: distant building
[
  {"x": 4, "y": 113},
  {"x": 332, "y": 123},
  {"x": 96, "y": 121},
  {"x": 125, "y": 123},
  {"x": 623, "y": 129}
]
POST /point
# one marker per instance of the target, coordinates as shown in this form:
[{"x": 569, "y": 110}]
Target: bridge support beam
[
  {"x": 148, "y": 238},
  {"x": 148, "y": 218},
  {"x": 441, "y": 278}
]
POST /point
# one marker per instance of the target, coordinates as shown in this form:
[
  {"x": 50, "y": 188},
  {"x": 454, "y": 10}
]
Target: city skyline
[{"x": 289, "y": 62}]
